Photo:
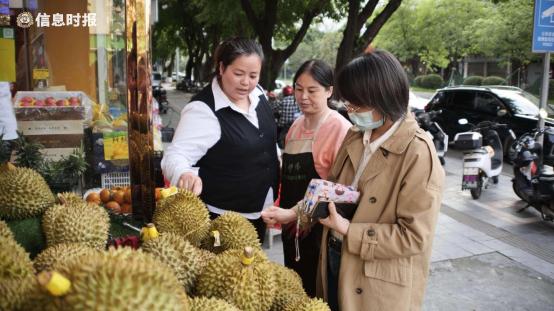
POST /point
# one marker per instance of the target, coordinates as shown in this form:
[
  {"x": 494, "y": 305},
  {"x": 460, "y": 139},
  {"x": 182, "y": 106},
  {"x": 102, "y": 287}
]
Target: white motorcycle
[{"x": 483, "y": 155}]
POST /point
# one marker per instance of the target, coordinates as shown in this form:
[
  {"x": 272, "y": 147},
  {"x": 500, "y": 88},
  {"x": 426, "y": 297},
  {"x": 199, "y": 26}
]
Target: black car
[{"x": 503, "y": 104}]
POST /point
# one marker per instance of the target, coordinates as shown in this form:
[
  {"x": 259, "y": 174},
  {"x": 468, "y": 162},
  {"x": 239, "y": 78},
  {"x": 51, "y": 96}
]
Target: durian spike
[
  {"x": 7, "y": 167},
  {"x": 247, "y": 256},
  {"x": 54, "y": 283}
]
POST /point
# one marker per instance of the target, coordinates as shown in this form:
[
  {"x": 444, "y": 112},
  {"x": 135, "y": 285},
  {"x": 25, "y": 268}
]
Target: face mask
[{"x": 364, "y": 120}]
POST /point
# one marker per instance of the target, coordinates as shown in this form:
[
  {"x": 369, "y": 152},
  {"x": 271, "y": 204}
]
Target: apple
[
  {"x": 25, "y": 104},
  {"x": 41, "y": 103},
  {"x": 62, "y": 102},
  {"x": 50, "y": 101},
  {"x": 27, "y": 99},
  {"x": 74, "y": 101}
]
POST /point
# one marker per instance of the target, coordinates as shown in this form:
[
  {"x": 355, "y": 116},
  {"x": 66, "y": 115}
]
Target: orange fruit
[
  {"x": 105, "y": 195},
  {"x": 113, "y": 206},
  {"x": 94, "y": 198},
  {"x": 118, "y": 196},
  {"x": 127, "y": 196},
  {"x": 158, "y": 194},
  {"x": 126, "y": 208}
]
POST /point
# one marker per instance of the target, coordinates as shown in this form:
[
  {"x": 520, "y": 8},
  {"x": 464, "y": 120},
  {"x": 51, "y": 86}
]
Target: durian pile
[{"x": 185, "y": 262}]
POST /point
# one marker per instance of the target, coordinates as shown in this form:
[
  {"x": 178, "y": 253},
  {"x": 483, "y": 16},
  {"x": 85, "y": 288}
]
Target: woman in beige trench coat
[{"x": 379, "y": 260}]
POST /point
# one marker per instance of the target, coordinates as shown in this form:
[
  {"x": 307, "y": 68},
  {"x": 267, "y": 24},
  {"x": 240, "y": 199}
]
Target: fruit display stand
[{"x": 54, "y": 119}]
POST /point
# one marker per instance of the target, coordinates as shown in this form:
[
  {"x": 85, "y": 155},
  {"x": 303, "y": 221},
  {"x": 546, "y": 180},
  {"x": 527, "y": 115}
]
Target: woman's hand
[
  {"x": 190, "y": 181},
  {"x": 276, "y": 215},
  {"x": 335, "y": 221}
]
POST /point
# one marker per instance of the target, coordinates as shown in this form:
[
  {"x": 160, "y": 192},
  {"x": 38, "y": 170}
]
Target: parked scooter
[
  {"x": 483, "y": 155},
  {"x": 189, "y": 86},
  {"x": 440, "y": 138},
  {"x": 533, "y": 182},
  {"x": 161, "y": 97}
]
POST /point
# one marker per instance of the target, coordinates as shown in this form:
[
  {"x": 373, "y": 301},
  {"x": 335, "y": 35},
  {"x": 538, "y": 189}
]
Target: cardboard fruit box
[{"x": 54, "y": 119}]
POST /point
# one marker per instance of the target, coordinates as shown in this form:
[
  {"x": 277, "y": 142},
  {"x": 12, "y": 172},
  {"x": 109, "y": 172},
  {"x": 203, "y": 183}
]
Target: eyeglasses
[{"x": 351, "y": 108}]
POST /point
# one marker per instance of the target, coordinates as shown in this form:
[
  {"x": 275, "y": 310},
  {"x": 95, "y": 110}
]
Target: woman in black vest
[{"x": 224, "y": 148}]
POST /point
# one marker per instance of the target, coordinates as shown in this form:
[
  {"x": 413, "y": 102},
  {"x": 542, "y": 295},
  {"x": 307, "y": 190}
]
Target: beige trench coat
[{"x": 386, "y": 252}]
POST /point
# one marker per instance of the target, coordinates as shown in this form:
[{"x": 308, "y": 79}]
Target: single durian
[
  {"x": 69, "y": 198},
  {"x": 5, "y": 231},
  {"x": 16, "y": 274},
  {"x": 205, "y": 257},
  {"x": 184, "y": 214},
  {"x": 231, "y": 231},
  {"x": 177, "y": 253},
  {"x": 23, "y": 193},
  {"x": 211, "y": 304},
  {"x": 117, "y": 279},
  {"x": 60, "y": 254},
  {"x": 241, "y": 277},
  {"x": 49, "y": 220},
  {"x": 289, "y": 287},
  {"x": 308, "y": 304},
  {"x": 76, "y": 223}
]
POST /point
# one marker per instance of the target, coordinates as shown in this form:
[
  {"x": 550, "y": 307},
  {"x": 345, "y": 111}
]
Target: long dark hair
[
  {"x": 375, "y": 80},
  {"x": 231, "y": 49}
]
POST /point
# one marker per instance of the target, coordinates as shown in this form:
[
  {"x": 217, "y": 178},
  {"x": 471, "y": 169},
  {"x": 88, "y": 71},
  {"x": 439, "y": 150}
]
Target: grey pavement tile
[
  {"x": 437, "y": 256},
  {"x": 477, "y": 236},
  {"x": 454, "y": 252},
  {"x": 497, "y": 245},
  {"x": 476, "y": 248},
  {"x": 539, "y": 265}
]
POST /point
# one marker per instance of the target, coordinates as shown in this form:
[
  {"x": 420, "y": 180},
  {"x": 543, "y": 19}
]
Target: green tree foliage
[
  {"x": 316, "y": 44},
  {"x": 441, "y": 25},
  {"x": 505, "y": 32},
  {"x": 285, "y": 20},
  {"x": 432, "y": 32}
]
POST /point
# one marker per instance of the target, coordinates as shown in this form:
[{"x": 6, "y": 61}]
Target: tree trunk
[
  {"x": 264, "y": 27},
  {"x": 414, "y": 64},
  {"x": 188, "y": 68},
  {"x": 349, "y": 36},
  {"x": 169, "y": 66},
  {"x": 273, "y": 62}
]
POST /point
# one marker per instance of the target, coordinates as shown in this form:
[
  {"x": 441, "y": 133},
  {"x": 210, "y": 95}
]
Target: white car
[{"x": 416, "y": 102}]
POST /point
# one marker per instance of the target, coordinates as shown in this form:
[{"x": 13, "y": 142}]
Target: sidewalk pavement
[{"x": 471, "y": 270}]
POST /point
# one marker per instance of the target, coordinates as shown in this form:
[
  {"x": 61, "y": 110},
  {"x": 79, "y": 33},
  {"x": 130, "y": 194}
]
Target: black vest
[{"x": 238, "y": 170}]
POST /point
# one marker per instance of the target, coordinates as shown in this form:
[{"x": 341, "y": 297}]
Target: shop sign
[
  {"x": 115, "y": 146},
  {"x": 40, "y": 74},
  {"x": 543, "y": 27}
]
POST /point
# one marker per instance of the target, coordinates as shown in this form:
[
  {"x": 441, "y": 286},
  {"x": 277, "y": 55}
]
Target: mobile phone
[{"x": 321, "y": 209}]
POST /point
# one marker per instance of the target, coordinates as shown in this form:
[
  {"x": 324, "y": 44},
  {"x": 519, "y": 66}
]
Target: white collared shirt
[
  {"x": 198, "y": 131},
  {"x": 370, "y": 147}
]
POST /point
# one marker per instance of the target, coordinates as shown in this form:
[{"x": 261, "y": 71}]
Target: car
[
  {"x": 156, "y": 79},
  {"x": 503, "y": 104},
  {"x": 417, "y": 103}
]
